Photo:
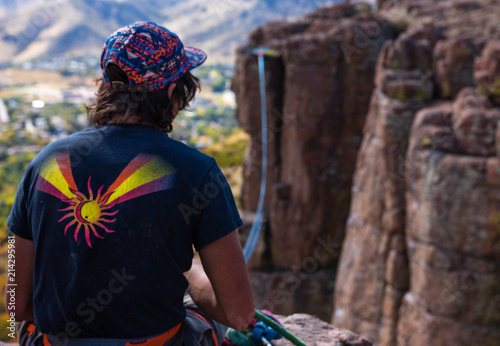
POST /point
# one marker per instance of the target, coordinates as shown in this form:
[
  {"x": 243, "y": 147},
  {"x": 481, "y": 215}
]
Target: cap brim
[{"x": 195, "y": 56}]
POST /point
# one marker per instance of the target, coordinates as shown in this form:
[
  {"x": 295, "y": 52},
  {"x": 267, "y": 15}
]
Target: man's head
[{"x": 146, "y": 77}]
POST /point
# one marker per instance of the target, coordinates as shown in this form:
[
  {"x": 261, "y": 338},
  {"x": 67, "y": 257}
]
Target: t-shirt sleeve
[
  {"x": 218, "y": 215},
  {"x": 17, "y": 222}
]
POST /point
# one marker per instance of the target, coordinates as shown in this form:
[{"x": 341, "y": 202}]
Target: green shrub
[{"x": 230, "y": 151}]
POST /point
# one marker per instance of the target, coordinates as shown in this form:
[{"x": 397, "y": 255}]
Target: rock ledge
[{"x": 316, "y": 332}]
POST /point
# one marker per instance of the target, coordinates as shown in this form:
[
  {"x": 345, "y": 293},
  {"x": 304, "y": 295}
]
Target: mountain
[{"x": 34, "y": 28}]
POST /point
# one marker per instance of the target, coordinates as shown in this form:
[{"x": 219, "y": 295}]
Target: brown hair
[{"x": 153, "y": 108}]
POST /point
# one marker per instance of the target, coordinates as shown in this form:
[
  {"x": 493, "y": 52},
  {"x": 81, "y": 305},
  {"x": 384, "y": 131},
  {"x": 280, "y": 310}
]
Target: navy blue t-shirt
[{"x": 114, "y": 212}]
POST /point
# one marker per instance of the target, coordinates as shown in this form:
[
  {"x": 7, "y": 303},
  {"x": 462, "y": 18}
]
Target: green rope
[{"x": 278, "y": 328}]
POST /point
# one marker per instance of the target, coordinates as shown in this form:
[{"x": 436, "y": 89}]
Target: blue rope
[{"x": 253, "y": 236}]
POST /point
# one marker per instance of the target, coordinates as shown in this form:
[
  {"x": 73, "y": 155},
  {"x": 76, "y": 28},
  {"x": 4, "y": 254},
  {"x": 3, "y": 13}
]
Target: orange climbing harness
[{"x": 161, "y": 339}]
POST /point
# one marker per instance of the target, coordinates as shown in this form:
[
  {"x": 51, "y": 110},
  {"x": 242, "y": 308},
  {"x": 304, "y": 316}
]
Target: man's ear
[{"x": 170, "y": 90}]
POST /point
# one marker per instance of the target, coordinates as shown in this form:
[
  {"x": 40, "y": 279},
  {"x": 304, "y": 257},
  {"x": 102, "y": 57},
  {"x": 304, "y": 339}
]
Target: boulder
[
  {"x": 412, "y": 50},
  {"x": 453, "y": 66},
  {"x": 475, "y": 123}
]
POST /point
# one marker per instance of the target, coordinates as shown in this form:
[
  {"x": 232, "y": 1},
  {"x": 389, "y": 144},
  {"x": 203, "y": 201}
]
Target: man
[{"x": 105, "y": 219}]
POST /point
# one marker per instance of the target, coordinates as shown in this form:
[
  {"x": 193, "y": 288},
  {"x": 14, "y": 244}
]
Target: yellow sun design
[{"x": 89, "y": 212}]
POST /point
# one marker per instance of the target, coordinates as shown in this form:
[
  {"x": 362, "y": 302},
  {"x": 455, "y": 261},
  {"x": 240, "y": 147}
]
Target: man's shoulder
[
  {"x": 67, "y": 139},
  {"x": 190, "y": 156},
  {"x": 97, "y": 140},
  {"x": 92, "y": 134},
  {"x": 85, "y": 139}
]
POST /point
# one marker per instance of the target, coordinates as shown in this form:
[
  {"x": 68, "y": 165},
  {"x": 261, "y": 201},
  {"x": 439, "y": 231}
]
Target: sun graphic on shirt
[{"x": 89, "y": 212}]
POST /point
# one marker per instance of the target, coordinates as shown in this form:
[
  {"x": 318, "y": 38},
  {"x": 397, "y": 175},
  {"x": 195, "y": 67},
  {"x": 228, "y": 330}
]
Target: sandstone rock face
[
  {"x": 373, "y": 272},
  {"x": 452, "y": 234},
  {"x": 319, "y": 85},
  {"x": 319, "y": 82},
  {"x": 420, "y": 262}
]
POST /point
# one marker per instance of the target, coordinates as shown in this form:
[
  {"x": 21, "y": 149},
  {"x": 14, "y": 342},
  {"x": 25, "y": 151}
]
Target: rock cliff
[
  {"x": 385, "y": 139},
  {"x": 420, "y": 260},
  {"x": 319, "y": 85}
]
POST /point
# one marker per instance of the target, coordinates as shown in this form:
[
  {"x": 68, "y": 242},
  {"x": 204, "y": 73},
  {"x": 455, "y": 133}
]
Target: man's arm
[
  {"x": 25, "y": 255},
  {"x": 220, "y": 287}
]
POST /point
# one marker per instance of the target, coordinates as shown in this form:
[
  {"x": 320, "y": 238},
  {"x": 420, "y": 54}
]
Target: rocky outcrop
[
  {"x": 452, "y": 233},
  {"x": 316, "y": 114},
  {"x": 373, "y": 272},
  {"x": 319, "y": 82},
  {"x": 421, "y": 258}
]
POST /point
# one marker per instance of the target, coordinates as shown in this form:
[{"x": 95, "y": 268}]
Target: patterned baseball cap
[{"x": 151, "y": 56}]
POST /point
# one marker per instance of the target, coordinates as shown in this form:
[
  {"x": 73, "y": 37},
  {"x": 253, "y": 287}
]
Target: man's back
[{"x": 113, "y": 213}]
